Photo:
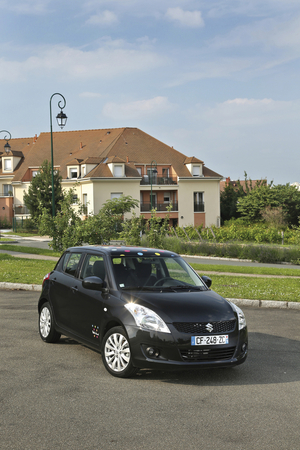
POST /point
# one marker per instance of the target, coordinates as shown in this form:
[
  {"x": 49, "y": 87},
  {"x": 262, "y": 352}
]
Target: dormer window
[
  {"x": 118, "y": 170},
  {"x": 7, "y": 164},
  {"x": 73, "y": 173},
  {"x": 196, "y": 171}
]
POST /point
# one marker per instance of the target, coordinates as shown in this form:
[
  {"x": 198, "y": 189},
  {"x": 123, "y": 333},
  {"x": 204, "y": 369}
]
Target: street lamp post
[
  {"x": 61, "y": 120},
  {"x": 152, "y": 171},
  {"x": 7, "y": 147}
]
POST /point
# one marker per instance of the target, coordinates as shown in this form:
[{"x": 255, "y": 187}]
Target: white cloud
[
  {"x": 192, "y": 19},
  {"x": 105, "y": 18},
  {"x": 28, "y": 7},
  {"x": 134, "y": 110},
  {"x": 107, "y": 61}
]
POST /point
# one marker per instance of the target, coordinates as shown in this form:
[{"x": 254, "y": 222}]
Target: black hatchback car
[{"x": 141, "y": 308}]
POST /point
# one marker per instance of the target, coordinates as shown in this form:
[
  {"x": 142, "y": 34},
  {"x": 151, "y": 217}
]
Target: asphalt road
[{"x": 59, "y": 396}]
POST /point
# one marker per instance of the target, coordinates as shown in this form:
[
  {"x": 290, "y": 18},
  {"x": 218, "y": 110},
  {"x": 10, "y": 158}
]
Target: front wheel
[
  {"x": 46, "y": 325},
  {"x": 116, "y": 353}
]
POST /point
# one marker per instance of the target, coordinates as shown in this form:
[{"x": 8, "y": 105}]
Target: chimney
[
  {"x": 127, "y": 159},
  {"x": 81, "y": 147},
  {"x": 227, "y": 180},
  {"x": 35, "y": 139}
]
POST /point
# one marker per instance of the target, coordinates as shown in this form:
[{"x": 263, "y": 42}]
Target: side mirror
[
  {"x": 207, "y": 281},
  {"x": 93, "y": 284}
]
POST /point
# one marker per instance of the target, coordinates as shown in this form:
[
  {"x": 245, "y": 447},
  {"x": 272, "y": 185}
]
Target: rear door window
[{"x": 71, "y": 264}]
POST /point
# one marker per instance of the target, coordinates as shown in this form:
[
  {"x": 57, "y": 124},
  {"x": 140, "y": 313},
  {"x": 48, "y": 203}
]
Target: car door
[
  {"x": 62, "y": 284},
  {"x": 88, "y": 305}
]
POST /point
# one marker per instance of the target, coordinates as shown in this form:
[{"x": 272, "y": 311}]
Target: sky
[{"x": 217, "y": 79}]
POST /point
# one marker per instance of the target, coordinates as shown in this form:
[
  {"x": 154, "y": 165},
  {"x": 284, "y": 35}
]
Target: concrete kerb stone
[{"x": 236, "y": 301}]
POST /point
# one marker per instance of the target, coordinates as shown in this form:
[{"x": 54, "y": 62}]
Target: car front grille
[
  {"x": 200, "y": 327},
  {"x": 207, "y": 354}
]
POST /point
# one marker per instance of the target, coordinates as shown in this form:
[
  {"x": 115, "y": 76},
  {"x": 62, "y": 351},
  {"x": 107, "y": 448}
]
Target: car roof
[{"x": 114, "y": 250}]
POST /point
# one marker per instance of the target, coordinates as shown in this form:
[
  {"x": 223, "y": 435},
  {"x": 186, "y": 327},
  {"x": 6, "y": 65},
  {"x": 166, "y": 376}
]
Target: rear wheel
[
  {"x": 46, "y": 324},
  {"x": 116, "y": 353}
]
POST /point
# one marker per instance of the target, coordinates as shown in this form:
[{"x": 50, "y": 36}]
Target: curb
[{"x": 236, "y": 301}]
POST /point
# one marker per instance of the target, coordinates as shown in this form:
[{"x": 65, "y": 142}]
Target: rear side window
[{"x": 71, "y": 263}]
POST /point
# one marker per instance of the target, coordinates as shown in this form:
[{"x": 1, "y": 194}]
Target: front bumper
[{"x": 173, "y": 351}]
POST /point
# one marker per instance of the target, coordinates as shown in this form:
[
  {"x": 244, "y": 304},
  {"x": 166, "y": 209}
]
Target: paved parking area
[{"x": 59, "y": 396}]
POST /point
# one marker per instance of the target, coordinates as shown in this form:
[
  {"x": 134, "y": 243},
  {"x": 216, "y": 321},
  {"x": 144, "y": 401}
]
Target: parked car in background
[{"x": 141, "y": 308}]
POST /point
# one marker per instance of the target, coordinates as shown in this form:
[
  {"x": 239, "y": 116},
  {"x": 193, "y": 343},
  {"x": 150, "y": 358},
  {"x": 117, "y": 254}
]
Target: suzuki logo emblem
[{"x": 209, "y": 327}]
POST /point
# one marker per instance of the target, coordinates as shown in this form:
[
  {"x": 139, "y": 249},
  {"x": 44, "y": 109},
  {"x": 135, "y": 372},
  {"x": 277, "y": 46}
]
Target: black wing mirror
[
  {"x": 207, "y": 281},
  {"x": 94, "y": 283}
]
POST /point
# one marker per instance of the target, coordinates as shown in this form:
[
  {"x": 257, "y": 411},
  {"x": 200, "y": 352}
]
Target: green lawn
[
  {"x": 30, "y": 271},
  {"x": 32, "y": 250},
  {"x": 21, "y": 270}
]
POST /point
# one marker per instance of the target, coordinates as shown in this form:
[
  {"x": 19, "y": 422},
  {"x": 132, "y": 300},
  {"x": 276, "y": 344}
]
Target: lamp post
[
  {"x": 61, "y": 120},
  {"x": 152, "y": 170},
  {"x": 7, "y": 147}
]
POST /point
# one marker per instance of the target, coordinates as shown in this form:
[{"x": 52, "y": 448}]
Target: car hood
[{"x": 204, "y": 306}]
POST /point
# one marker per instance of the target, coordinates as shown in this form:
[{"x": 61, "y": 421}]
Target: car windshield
[{"x": 155, "y": 273}]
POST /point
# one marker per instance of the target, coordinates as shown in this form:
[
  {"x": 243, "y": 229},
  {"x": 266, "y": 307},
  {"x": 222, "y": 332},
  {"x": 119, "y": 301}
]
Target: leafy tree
[
  {"x": 228, "y": 201},
  {"x": 65, "y": 227},
  {"x": 39, "y": 194},
  {"x": 285, "y": 196},
  {"x": 132, "y": 230}
]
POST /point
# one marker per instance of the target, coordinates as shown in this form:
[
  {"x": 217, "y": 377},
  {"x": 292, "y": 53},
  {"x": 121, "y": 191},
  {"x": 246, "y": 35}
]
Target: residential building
[{"x": 104, "y": 164}]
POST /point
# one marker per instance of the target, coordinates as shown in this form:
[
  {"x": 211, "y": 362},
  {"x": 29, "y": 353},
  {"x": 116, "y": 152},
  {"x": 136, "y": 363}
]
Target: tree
[
  {"x": 39, "y": 196},
  {"x": 285, "y": 196},
  {"x": 65, "y": 228},
  {"x": 229, "y": 198}
]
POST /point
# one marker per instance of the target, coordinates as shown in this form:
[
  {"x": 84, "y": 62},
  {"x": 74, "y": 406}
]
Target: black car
[{"x": 141, "y": 308}]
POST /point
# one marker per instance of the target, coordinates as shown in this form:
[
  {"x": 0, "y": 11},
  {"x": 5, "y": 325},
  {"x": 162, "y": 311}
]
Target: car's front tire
[
  {"x": 46, "y": 324},
  {"x": 116, "y": 353}
]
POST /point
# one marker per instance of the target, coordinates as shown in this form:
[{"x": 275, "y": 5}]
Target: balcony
[
  {"x": 21, "y": 209},
  {"x": 160, "y": 207},
  {"x": 157, "y": 180},
  {"x": 6, "y": 194},
  {"x": 199, "y": 207}
]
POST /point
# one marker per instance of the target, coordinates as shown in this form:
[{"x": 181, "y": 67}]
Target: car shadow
[{"x": 271, "y": 359}]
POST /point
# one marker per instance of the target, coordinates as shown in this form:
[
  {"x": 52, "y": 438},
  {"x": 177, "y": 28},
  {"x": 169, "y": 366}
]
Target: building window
[
  {"x": 116, "y": 195},
  {"x": 7, "y": 190},
  {"x": 196, "y": 171},
  {"x": 139, "y": 169},
  {"x": 85, "y": 204},
  {"x": 198, "y": 202},
  {"x": 118, "y": 171},
  {"x": 34, "y": 173},
  {"x": 7, "y": 164},
  {"x": 83, "y": 171},
  {"x": 167, "y": 197},
  {"x": 73, "y": 173},
  {"x": 74, "y": 199}
]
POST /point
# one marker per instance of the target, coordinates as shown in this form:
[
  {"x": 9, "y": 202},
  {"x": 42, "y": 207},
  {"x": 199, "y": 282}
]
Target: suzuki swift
[{"x": 141, "y": 308}]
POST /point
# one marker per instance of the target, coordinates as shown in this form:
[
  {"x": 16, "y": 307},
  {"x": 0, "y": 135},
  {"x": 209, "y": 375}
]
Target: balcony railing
[
  {"x": 6, "y": 194},
  {"x": 21, "y": 209},
  {"x": 161, "y": 207},
  {"x": 146, "y": 180},
  {"x": 198, "y": 207}
]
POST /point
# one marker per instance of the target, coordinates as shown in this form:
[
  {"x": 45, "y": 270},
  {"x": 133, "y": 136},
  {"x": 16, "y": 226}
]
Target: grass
[
  {"x": 283, "y": 289},
  {"x": 273, "y": 271},
  {"x": 21, "y": 270},
  {"x": 32, "y": 250}
]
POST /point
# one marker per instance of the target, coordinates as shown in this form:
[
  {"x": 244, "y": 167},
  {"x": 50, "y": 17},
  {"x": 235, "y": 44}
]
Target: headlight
[
  {"x": 241, "y": 316},
  {"x": 146, "y": 318}
]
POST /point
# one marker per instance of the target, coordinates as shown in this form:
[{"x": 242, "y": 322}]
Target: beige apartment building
[{"x": 104, "y": 164}]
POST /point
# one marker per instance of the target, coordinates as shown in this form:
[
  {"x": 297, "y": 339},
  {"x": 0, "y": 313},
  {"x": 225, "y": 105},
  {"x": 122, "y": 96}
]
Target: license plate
[{"x": 210, "y": 340}]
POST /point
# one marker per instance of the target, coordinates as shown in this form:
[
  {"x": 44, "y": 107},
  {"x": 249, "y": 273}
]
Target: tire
[
  {"x": 46, "y": 324},
  {"x": 116, "y": 353}
]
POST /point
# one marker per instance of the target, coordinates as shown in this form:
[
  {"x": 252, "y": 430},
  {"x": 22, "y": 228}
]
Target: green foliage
[
  {"x": 229, "y": 199},
  {"x": 287, "y": 197},
  {"x": 39, "y": 196},
  {"x": 157, "y": 228},
  {"x": 132, "y": 230},
  {"x": 65, "y": 227}
]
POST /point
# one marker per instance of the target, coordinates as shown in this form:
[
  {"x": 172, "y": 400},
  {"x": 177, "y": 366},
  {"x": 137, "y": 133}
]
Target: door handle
[{"x": 74, "y": 289}]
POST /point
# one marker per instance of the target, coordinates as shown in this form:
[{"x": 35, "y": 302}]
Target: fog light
[
  {"x": 157, "y": 353},
  {"x": 151, "y": 351},
  {"x": 244, "y": 347}
]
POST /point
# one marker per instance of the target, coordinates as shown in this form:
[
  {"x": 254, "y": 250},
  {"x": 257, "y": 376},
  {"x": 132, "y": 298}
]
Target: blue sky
[{"x": 215, "y": 79}]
